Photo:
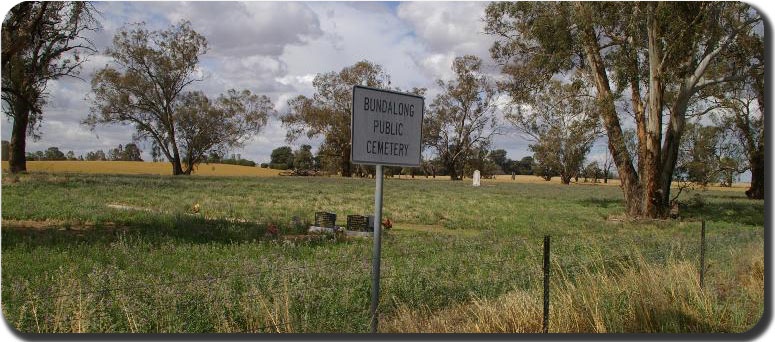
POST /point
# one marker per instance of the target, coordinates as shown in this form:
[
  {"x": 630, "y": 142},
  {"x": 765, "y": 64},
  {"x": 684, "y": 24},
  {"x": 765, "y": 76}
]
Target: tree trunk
[
  {"x": 756, "y": 191},
  {"x": 453, "y": 174},
  {"x": 566, "y": 179},
  {"x": 177, "y": 167},
  {"x": 653, "y": 193},
  {"x": 345, "y": 164},
  {"x": 629, "y": 177},
  {"x": 17, "y": 160}
]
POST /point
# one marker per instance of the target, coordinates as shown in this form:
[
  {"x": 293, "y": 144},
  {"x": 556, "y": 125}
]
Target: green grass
[{"x": 167, "y": 270}]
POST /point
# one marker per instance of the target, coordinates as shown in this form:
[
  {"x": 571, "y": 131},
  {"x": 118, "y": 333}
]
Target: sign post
[
  {"x": 375, "y": 261},
  {"x": 386, "y": 129}
]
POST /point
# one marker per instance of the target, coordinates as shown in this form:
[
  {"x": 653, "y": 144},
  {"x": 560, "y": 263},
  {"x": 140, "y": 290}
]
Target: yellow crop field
[
  {"x": 143, "y": 168},
  {"x": 556, "y": 180},
  {"x": 164, "y": 168}
]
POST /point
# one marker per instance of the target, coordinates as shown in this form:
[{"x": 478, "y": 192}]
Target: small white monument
[{"x": 476, "y": 177}]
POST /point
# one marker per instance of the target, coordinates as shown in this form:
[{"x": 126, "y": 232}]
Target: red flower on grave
[
  {"x": 272, "y": 229},
  {"x": 387, "y": 224}
]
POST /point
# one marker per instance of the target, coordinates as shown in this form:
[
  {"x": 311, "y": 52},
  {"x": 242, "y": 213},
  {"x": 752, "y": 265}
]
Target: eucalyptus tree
[
  {"x": 646, "y": 60},
  {"x": 327, "y": 112},
  {"x": 42, "y": 41},
  {"x": 462, "y": 117},
  {"x": 207, "y": 126},
  {"x": 741, "y": 104},
  {"x": 562, "y": 123},
  {"x": 146, "y": 88}
]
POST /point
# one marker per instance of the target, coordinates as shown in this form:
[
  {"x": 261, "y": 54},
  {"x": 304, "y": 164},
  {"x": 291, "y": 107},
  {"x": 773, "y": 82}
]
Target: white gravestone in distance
[
  {"x": 386, "y": 127},
  {"x": 477, "y": 175}
]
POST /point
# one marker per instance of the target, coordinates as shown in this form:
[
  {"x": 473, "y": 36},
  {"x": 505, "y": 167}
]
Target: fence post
[
  {"x": 547, "y": 240},
  {"x": 702, "y": 256}
]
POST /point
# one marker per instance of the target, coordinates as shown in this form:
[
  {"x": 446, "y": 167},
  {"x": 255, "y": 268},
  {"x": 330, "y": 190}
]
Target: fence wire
[{"x": 527, "y": 266}]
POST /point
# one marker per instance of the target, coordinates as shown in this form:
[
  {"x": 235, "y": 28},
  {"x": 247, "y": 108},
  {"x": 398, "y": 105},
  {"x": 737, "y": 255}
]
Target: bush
[{"x": 264, "y": 165}]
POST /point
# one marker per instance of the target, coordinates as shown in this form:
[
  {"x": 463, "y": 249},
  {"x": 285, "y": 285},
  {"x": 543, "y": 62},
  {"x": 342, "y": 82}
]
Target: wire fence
[{"x": 305, "y": 303}]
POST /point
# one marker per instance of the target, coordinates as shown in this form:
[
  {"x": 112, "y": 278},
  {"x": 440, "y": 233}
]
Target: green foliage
[
  {"x": 303, "y": 159},
  {"x": 282, "y": 158},
  {"x": 461, "y": 119},
  {"x": 42, "y": 41},
  {"x": 53, "y": 153},
  {"x": 562, "y": 123},
  {"x": 327, "y": 112}
]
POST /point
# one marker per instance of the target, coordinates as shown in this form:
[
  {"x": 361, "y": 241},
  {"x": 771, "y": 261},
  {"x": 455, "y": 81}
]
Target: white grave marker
[{"x": 477, "y": 175}]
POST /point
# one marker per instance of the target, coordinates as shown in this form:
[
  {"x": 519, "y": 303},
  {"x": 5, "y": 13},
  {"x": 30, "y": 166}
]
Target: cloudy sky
[{"x": 276, "y": 49}]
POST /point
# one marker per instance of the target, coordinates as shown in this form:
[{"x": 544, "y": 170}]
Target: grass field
[{"x": 128, "y": 253}]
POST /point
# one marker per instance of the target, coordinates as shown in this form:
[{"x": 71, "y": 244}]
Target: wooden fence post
[
  {"x": 702, "y": 256},
  {"x": 547, "y": 240}
]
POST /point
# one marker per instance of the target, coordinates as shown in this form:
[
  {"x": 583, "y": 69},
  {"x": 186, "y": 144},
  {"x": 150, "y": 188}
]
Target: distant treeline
[{"x": 488, "y": 162}]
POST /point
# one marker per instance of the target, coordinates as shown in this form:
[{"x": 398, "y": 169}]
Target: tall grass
[{"x": 641, "y": 297}]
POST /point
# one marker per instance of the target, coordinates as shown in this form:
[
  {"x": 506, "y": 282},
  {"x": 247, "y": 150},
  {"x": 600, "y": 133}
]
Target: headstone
[{"x": 477, "y": 175}]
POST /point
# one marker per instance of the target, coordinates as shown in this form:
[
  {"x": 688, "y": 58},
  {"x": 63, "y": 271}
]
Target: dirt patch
[
  {"x": 431, "y": 228},
  {"x": 55, "y": 225},
  {"x": 127, "y": 207}
]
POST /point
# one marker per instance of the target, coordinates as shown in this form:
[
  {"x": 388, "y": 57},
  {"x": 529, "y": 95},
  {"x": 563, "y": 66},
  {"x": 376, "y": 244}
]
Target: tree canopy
[
  {"x": 42, "y": 41},
  {"x": 669, "y": 51}
]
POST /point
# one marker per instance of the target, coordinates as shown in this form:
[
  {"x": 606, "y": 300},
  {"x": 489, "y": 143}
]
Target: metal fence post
[
  {"x": 547, "y": 240},
  {"x": 375, "y": 263},
  {"x": 702, "y": 256}
]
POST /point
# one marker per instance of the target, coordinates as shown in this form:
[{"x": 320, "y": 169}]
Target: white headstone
[{"x": 476, "y": 178}]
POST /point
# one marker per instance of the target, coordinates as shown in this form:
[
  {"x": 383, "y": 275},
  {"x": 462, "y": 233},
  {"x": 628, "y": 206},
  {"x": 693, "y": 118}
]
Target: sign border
[{"x": 352, "y": 119}]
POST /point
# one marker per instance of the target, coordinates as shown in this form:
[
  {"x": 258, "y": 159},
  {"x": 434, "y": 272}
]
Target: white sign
[{"x": 386, "y": 127}]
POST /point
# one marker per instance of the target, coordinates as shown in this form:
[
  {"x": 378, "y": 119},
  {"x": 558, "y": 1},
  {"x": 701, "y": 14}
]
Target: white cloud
[{"x": 276, "y": 49}]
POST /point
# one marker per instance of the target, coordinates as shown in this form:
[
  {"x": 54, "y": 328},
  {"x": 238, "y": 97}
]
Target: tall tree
[
  {"x": 462, "y": 118},
  {"x": 53, "y": 153},
  {"x": 742, "y": 103},
  {"x": 327, "y": 112},
  {"x": 42, "y": 41},
  {"x": 132, "y": 152},
  {"x": 498, "y": 156},
  {"x": 143, "y": 87},
  {"x": 206, "y": 126},
  {"x": 302, "y": 158},
  {"x": 664, "y": 50},
  {"x": 98, "y": 155},
  {"x": 282, "y": 158},
  {"x": 562, "y": 123}
]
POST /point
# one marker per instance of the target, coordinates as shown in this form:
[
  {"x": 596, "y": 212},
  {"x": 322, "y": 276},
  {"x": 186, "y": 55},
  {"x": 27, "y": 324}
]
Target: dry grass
[
  {"x": 646, "y": 298},
  {"x": 143, "y": 168}
]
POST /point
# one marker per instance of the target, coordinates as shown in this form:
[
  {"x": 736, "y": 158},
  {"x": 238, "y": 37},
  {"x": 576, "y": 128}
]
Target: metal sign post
[
  {"x": 386, "y": 129},
  {"x": 375, "y": 263}
]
